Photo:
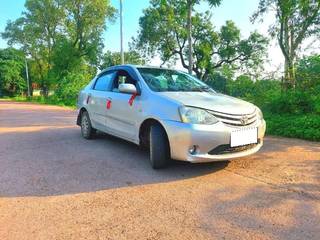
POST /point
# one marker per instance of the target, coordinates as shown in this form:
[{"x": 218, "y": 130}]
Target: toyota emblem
[{"x": 244, "y": 120}]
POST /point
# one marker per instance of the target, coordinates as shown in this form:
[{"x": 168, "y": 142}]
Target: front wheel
[
  {"x": 87, "y": 130},
  {"x": 159, "y": 147}
]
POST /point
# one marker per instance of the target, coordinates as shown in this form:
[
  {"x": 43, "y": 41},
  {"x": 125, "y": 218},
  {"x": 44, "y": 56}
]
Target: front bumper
[{"x": 182, "y": 136}]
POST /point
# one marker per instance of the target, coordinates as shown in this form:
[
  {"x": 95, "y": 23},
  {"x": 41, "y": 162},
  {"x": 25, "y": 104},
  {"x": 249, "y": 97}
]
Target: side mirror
[{"x": 127, "y": 88}]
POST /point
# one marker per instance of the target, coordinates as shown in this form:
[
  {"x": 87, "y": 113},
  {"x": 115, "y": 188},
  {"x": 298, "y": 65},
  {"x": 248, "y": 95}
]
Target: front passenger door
[{"x": 122, "y": 116}]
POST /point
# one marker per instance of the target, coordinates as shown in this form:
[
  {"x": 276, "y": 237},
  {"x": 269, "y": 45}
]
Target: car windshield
[{"x": 164, "y": 80}]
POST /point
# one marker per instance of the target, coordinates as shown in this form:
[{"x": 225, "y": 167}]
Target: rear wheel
[
  {"x": 87, "y": 130},
  {"x": 159, "y": 147}
]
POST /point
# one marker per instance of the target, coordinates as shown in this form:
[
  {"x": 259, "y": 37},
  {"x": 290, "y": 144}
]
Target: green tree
[
  {"x": 12, "y": 79},
  {"x": 308, "y": 72},
  {"x": 163, "y": 31},
  {"x": 113, "y": 58},
  {"x": 85, "y": 24},
  {"x": 218, "y": 82},
  {"x": 36, "y": 32},
  {"x": 296, "y": 20},
  {"x": 243, "y": 86},
  {"x": 190, "y": 8},
  {"x": 49, "y": 29}
]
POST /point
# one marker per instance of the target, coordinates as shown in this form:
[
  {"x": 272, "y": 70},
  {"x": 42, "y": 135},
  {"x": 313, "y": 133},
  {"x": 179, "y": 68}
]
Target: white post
[
  {"x": 190, "y": 68},
  {"x": 27, "y": 75},
  {"x": 121, "y": 34}
]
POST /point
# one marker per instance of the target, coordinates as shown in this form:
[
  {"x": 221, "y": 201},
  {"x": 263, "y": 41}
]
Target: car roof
[{"x": 132, "y": 66}]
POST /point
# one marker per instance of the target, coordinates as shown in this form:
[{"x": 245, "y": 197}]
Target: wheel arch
[
  {"x": 145, "y": 128},
  {"x": 81, "y": 110}
]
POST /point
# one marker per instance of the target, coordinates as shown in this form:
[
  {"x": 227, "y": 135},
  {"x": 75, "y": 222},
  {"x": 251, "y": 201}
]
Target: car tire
[
  {"x": 87, "y": 130},
  {"x": 159, "y": 147}
]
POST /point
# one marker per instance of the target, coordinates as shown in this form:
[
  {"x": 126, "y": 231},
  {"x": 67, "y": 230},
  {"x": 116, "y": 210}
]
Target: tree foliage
[
  {"x": 308, "y": 73},
  {"x": 113, "y": 58},
  {"x": 12, "y": 79},
  {"x": 296, "y": 20},
  {"x": 190, "y": 8},
  {"x": 163, "y": 31},
  {"x": 58, "y": 35}
]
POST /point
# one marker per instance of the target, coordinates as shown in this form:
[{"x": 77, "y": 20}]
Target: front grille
[
  {"x": 236, "y": 119},
  {"x": 226, "y": 148}
]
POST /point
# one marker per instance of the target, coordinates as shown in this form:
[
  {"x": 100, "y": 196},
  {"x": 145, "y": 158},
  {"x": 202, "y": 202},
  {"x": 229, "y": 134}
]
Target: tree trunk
[
  {"x": 190, "y": 36},
  {"x": 289, "y": 74},
  {"x": 285, "y": 84},
  {"x": 288, "y": 44},
  {"x": 44, "y": 90},
  {"x": 291, "y": 70}
]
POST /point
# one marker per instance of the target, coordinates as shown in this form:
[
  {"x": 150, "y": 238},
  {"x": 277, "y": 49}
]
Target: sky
[
  {"x": 133, "y": 9},
  {"x": 236, "y": 10}
]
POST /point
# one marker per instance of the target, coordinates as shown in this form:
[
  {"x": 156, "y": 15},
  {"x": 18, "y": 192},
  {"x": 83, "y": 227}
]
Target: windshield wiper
[{"x": 202, "y": 89}]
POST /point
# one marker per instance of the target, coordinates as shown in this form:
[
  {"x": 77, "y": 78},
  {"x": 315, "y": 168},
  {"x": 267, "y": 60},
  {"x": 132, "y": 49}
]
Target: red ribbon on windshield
[{"x": 132, "y": 99}]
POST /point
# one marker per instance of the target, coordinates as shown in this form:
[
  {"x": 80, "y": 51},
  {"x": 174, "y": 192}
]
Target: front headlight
[
  {"x": 260, "y": 114},
  {"x": 196, "y": 116}
]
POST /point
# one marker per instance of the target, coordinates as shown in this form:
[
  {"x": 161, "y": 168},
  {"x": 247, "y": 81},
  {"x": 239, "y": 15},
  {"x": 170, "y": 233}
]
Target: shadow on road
[{"x": 57, "y": 161}]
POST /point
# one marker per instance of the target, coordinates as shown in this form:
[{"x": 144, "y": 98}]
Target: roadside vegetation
[
  {"x": 62, "y": 45},
  {"x": 289, "y": 113}
]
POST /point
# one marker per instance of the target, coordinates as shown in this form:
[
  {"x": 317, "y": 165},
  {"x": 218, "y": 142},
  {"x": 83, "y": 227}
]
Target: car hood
[{"x": 211, "y": 101}]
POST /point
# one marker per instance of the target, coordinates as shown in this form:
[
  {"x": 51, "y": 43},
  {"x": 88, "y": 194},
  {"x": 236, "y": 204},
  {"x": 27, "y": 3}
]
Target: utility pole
[
  {"x": 27, "y": 75},
  {"x": 190, "y": 56},
  {"x": 121, "y": 34}
]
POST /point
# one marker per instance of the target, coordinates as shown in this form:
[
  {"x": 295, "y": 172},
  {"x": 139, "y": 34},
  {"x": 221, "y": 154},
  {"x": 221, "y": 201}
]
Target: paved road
[{"x": 56, "y": 185}]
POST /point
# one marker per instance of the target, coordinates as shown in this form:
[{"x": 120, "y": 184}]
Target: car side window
[
  {"x": 122, "y": 77},
  {"x": 104, "y": 82}
]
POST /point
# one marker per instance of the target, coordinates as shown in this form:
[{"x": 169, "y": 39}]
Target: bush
[
  {"x": 69, "y": 87},
  {"x": 267, "y": 95},
  {"x": 243, "y": 86},
  {"x": 297, "y": 126},
  {"x": 294, "y": 113},
  {"x": 308, "y": 72},
  {"x": 218, "y": 82},
  {"x": 292, "y": 102},
  {"x": 263, "y": 93}
]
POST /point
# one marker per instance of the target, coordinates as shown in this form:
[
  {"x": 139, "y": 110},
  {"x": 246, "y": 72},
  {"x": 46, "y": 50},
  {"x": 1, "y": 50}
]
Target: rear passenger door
[{"x": 98, "y": 100}]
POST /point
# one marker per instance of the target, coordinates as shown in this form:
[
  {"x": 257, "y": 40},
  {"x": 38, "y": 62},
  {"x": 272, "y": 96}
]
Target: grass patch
[{"x": 51, "y": 100}]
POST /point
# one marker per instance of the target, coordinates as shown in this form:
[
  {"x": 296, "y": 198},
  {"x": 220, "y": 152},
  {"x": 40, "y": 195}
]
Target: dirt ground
[{"x": 56, "y": 185}]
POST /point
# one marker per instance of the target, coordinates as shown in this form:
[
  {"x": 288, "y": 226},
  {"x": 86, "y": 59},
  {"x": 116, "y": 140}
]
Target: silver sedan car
[{"x": 171, "y": 113}]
